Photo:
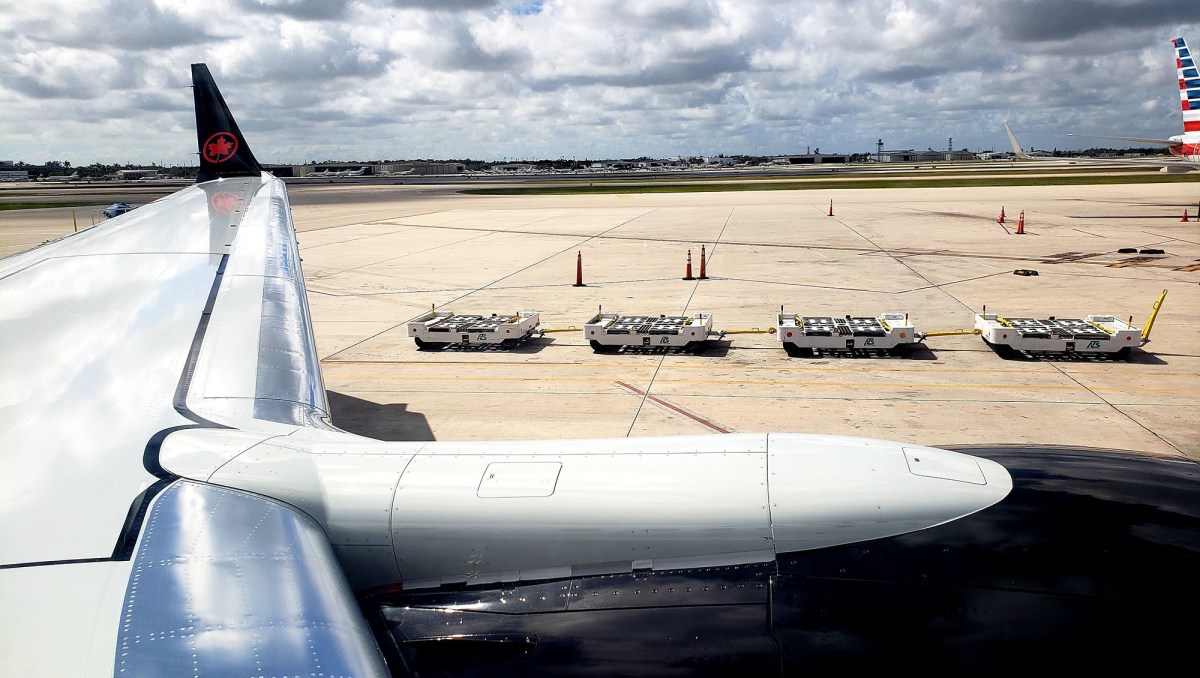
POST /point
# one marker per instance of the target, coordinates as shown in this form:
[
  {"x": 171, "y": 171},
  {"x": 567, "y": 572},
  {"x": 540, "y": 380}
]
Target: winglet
[
  {"x": 1012, "y": 139},
  {"x": 223, "y": 150}
]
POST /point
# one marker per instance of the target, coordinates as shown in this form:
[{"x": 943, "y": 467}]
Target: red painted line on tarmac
[{"x": 674, "y": 408}]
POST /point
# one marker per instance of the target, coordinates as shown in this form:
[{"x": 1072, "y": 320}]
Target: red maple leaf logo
[
  {"x": 220, "y": 147},
  {"x": 225, "y": 202}
]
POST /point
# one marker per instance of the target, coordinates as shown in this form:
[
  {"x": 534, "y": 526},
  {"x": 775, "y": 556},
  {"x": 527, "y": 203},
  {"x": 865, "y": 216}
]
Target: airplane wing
[
  {"x": 184, "y": 312},
  {"x": 1136, "y": 140},
  {"x": 1172, "y": 166},
  {"x": 1186, "y": 145},
  {"x": 1016, "y": 145}
]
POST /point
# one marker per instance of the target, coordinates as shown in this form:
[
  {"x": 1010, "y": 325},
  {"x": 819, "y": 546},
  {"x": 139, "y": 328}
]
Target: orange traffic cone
[
  {"x": 703, "y": 275},
  {"x": 1000, "y": 220},
  {"x": 1021, "y": 223},
  {"x": 1184, "y": 219},
  {"x": 831, "y": 207},
  {"x": 688, "y": 276},
  {"x": 579, "y": 270}
]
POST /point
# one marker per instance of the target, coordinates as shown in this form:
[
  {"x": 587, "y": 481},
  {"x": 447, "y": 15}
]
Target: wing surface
[{"x": 188, "y": 313}]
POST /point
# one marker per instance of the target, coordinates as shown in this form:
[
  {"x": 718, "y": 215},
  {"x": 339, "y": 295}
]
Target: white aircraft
[
  {"x": 340, "y": 173},
  {"x": 74, "y": 176},
  {"x": 1186, "y": 146},
  {"x": 174, "y": 500}
]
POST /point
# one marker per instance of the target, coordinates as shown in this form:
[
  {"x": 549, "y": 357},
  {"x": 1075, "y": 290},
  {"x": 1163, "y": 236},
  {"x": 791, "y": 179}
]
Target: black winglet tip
[{"x": 223, "y": 150}]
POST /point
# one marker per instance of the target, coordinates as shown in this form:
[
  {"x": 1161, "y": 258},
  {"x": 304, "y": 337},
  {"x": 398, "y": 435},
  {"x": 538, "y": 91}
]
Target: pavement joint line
[
  {"x": 1170, "y": 238},
  {"x": 776, "y": 398},
  {"x": 357, "y": 223},
  {"x": 344, "y": 271},
  {"x": 744, "y": 368},
  {"x": 953, "y": 282},
  {"x": 509, "y": 275},
  {"x": 903, "y": 263},
  {"x": 686, "y": 305},
  {"x": 671, "y": 407},
  {"x": 1120, "y": 411},
  {"x": 808, "y": 286},
  {"x": 1075, "y": 385},
  {"x": 350, "y": 240},
  {"x": 599, "y": 283},
  {"x": 862, "y": 250}
]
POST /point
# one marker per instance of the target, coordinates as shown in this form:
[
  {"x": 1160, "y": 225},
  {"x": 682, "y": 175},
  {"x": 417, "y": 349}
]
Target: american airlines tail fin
[
  {"x": 1016, "y": 146},
  {"x": 223, "y": 150},
  {"x": 1189, "y": 87}
]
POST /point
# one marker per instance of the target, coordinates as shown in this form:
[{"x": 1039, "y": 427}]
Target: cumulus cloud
[
  {"x": 1051, "y": 20},
  {"x": 369, "y": 79},
  {"x": 311, "y": 10}
]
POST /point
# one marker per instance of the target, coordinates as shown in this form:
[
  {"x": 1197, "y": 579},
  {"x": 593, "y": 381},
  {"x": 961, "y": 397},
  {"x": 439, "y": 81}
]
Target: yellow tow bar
[
  {"x": 951, "y": 333},
  {"x": 1153, "y": 315},
  {"x": 562, "y": 329},
  {"x": 770, "y": 330}
]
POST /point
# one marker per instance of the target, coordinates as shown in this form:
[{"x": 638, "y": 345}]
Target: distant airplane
[
  {"x": 74, "y": 176},
  {"x": 1186, "y": 145},
  {"x": 174, "y": 500},
  {"x": 1018, "y": 150},
  {"x": 340, "y": 173}
]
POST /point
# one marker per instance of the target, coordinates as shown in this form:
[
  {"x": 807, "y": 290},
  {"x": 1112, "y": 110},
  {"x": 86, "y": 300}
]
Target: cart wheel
[
  {"x": 427, "y": 345},
  {"x": 597, "y": 347},
  {"x": 1005, "y": 351},
  {"x": 795, "y": 351},
  {"x": 508, "y": 344}
]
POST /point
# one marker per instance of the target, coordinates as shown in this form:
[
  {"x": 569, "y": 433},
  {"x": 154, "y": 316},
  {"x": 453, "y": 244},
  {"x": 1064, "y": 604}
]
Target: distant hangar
[{"x": 418, "y": 167}]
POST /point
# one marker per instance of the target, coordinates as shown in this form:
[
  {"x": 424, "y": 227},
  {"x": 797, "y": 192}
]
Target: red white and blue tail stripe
[{"x": 1189, "y": 87}]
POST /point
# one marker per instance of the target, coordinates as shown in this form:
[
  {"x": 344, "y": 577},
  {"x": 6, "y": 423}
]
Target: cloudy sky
[{"x": 107, "y": 80}]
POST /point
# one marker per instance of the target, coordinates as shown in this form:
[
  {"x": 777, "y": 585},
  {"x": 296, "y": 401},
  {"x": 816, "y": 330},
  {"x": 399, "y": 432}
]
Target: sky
[{"x": 308, "y": 80}]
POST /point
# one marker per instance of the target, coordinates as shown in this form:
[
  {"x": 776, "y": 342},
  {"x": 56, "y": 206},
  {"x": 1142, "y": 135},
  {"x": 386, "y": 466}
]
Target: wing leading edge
[{"x": 187, "y": 314}]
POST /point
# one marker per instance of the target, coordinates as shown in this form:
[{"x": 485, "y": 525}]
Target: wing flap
[{"x": 259, "y": 358}]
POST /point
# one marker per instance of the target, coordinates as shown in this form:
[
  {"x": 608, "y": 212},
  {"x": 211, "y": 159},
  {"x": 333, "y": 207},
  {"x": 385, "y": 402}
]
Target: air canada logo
[
  {"x": 220, "y": 147},
  {"x": 225, "y": 202}
]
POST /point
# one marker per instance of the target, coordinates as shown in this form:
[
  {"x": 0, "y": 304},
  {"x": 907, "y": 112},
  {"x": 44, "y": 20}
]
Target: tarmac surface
[{"x": 377, "y": 255}]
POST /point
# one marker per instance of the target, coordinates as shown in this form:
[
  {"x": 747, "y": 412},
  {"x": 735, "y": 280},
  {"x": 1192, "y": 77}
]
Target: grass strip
[
  {"x": 827, "y": 184},
  {"x": 44, "y": 205}
]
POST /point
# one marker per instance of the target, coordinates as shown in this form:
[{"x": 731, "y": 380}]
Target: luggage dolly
[
  {"x": 890, "y": 333},
  {"x": 437, "y": 329},
  {"x": 1094, "y": 334},
  {"x": 608, "y": 332}
]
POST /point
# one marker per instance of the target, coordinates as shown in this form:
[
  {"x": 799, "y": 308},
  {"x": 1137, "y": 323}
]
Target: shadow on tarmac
[
  {"x": 1137, "y": 356},
  {"x": 392, "y": 422}
]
